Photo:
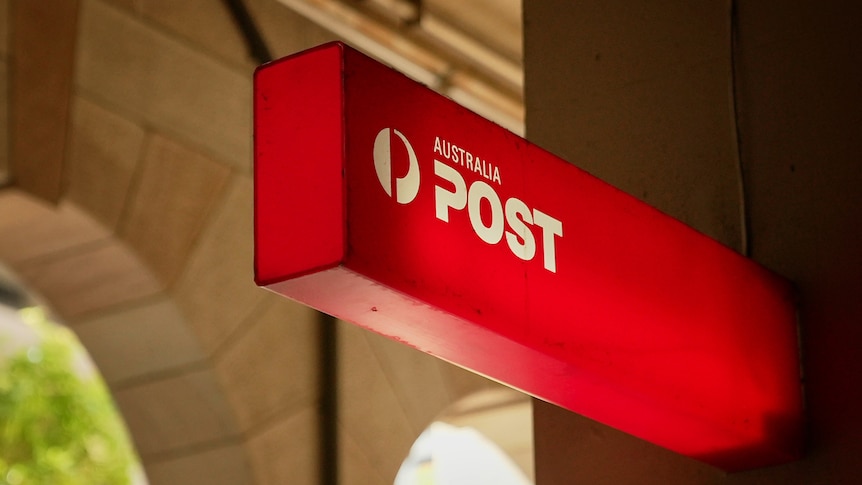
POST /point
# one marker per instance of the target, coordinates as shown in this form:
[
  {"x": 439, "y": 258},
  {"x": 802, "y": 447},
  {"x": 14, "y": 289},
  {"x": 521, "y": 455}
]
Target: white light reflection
[{"x": 449, "y": 455}]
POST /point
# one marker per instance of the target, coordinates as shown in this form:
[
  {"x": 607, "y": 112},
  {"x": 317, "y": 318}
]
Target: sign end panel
[{"x": 299, "y": 216}]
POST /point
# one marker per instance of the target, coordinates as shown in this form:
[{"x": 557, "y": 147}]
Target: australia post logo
[
  {"x": 407, "y": 186},
  {"x": 523, "y": 228}
]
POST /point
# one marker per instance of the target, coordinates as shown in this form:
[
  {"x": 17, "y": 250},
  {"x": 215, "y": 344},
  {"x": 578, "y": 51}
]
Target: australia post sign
[{"x": 389, "y": 206}]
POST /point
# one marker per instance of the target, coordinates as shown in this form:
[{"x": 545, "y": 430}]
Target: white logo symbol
[{"x": 406, "y": 187}]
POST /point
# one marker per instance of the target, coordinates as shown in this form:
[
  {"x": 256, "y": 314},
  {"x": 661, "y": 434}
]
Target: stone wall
[
  {"x": 147, "y": 256},
  {"x": 640, "y": 94}
]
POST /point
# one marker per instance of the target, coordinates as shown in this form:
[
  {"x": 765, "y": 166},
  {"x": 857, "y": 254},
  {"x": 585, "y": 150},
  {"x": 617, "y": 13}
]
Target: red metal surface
[{"x": 387, "y": 205}]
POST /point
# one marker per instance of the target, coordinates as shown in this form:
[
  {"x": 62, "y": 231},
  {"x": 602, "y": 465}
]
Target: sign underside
[{"x": 387, "y": 205}]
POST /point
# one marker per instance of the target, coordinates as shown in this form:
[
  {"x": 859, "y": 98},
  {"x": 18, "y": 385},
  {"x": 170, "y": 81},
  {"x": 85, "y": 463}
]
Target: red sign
[{"x": 387, "y": 205}]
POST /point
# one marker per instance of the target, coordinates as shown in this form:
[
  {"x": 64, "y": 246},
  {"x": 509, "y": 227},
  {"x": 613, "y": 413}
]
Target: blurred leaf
[{"x": 58, "y": 427}]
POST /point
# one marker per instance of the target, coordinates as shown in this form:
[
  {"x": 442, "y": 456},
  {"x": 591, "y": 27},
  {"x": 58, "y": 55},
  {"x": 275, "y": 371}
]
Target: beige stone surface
[
  {"x": 460, "y": 382},
  {"x": 205, "y": 23},
  {"x": 271, "y": 367},
  {"x": 371, "y": 411},
  {"x": 286, "y": 451},
  {"x": 354, "y": 466},
  {"x": 285, "y": 31},
  {"x": 148, "y": 338},
  {"x": 33, "y": 229},
  {"x": 620, "y": 46},
  {"x": 159, "y": 79},
  {"x": 216, "y": 290},
  {"x": 104, "y": 150},
  {"x": 175, "y": 413},
  {"x": 225, "y": 465},
  {"x": 89, "y": 278},
  {"x": 667, "y": 141},
  {"x": 652, "y": 113},
  {"x": 216, "y": 377},
  {"x": 564, "y": 438},
  {"x": 415, "y": 378},
  {"x": 176, "y": 191}
]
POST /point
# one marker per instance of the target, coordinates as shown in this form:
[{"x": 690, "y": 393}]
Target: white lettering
[
  {"x": 518, "y": 217},
  {"x": 492, "y": 233},
  {"x": 445, "y": 199},
  {"x": 550, "y": 227},
  {"x": 459, "y": 156}
]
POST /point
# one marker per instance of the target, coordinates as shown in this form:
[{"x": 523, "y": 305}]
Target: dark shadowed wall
[{"x": 639, "y": 93}]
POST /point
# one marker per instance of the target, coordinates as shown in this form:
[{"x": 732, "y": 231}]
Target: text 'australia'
[{"x": 466, "y": 159}]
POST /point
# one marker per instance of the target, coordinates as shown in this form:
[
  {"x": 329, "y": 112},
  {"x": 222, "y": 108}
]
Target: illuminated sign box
[{"x": 387, "y": 205}]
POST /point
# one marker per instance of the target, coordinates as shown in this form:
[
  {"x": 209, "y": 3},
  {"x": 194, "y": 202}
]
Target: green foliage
[{"x": 58, "y": 425}]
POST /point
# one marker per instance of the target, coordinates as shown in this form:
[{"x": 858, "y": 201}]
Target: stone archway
[
  {"x": 146, "y": 253},
  {"x": 221, "y": 403},
  {"x": 165, "y": 384}
]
